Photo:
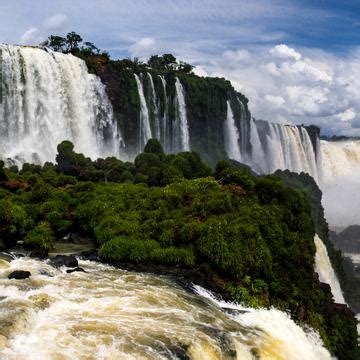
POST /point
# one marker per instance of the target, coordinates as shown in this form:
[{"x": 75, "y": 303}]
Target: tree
[
  {"x": 57, "y": 43},
  {"x": 155, "y": 62},
  {"x": 169, "y": 61},
  {"x": 72, "y": 42},
  {"x": 185, "y": 67}
]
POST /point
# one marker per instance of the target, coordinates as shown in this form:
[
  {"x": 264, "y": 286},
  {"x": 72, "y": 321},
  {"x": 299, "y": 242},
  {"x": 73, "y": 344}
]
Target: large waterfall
[
  {"x": 231, "y": 135},
  {"x": 325, "y": 270},
  {"x": 181, "y": 119},
  {"x": 47, "y": 97},
  {"x": 144, "y": 128},
  {"x": 173, "y": 132},
  {"x": 277, "y": 146},
  {"x": 108, "y": 313}
]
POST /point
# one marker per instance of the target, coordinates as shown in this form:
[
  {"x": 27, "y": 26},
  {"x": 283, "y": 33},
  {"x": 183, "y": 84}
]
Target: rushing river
[{"x": 107, "y": 313}]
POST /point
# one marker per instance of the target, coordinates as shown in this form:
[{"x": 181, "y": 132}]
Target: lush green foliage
[{"x": 251, "y": 237}]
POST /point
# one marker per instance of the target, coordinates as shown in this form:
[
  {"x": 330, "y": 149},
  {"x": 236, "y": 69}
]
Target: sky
[{"x": 296, "y": 61}]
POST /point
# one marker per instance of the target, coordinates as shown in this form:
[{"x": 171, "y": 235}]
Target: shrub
[
  {"x": 40, "y": 237},
  {"x": 174, "y": 256}
]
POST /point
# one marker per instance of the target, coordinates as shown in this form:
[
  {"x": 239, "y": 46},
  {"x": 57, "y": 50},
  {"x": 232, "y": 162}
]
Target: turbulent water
[
  {"x": 325, "y": 270},
  {"x": 47, "y": 97},
  {"x": 113, "y": 314}
]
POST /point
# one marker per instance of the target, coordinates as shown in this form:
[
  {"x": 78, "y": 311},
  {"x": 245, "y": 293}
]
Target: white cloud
[
  {"x": 29, "y": 36},
  {"x": 144, "y": 48},
  {"x": 347, "y": 115},
  {"x": 275, "y": 101},
  {"x": 55, "y": 21},
  {"x": 296, "y": 85},
  {"x": 285, "y": 52}
]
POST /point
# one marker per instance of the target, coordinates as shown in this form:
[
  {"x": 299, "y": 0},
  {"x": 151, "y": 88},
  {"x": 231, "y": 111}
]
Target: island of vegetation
[{"x": 249, "y": 238}]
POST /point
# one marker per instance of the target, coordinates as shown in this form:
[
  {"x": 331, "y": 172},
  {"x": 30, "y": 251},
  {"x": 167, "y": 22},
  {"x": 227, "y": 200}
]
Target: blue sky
[{"x": 297, "y": 61}]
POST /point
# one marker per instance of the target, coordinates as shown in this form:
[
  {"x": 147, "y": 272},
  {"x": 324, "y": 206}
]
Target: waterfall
[
  {"x": 48, "y": 97},
  {"x": 276, "y": 146},
  {"x": 154, "y": 109},
  {"x": 164, "y": 124},
  {"x": 181, "y": 126},
  {"x": 231, "y": 135},
  {"x": 325, "y": 270},
  {"x": 108, "y": 313},
  {"x": 144, "y": 128}
]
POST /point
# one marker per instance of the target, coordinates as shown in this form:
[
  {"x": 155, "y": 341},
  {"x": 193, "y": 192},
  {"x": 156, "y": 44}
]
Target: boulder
[
  {"x": 64, "y": 260},
  {"x": 19, "y": 274},
  {"x": 77, "y": 269}
]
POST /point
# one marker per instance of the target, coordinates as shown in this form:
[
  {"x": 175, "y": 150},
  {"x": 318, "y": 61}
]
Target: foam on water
[{"x": 108, "y": 313}]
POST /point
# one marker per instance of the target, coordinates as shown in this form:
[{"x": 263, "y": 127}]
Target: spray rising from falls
[
  {"x": 108, "y": 313},
  {"x": 340, "y": 163},
  {"x": 325, "y": 270},
  {"x": 48, "y": 97}
]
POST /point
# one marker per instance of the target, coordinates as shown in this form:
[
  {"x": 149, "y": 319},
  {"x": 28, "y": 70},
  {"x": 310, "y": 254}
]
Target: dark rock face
[
  {"x": 63, "y": 260},
  {"x": 39, "y": 253},
  {"x": 77, "y": 269},
  {"x": 91, "y": 255},
  {"x": 19, "y": 274}
]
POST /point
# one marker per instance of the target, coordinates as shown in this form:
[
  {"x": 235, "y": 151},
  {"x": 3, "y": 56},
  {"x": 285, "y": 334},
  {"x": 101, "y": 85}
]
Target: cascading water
[
  {"x": 231, "y": 135},
  {"x": 144, "y": 128},
  {"x": 181, "y": 126},
  {"x": 276, "y": 146},
  {"x": 108, "y": 313},
  {"x": 48, "y": 97},
  {"x": 325, "y": 270},
  {"x": 164, "y": 122},
  {"x": 154, "y": 109}
]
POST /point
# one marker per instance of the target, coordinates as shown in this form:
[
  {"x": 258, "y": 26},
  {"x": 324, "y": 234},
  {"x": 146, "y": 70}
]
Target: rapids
[{"x": 107, "y": 313}]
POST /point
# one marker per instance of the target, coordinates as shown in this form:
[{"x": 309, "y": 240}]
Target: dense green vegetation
[{"x": 250, "y": 238}]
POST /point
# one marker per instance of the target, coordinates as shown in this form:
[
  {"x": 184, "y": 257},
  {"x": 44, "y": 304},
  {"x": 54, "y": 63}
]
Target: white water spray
[
  {"x": 109, "y": 313},
  {"x": 325, "y": 270}
]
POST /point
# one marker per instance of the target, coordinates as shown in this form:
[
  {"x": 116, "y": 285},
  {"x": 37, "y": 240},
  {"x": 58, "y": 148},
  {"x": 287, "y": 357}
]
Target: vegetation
[{"x": 250, "y": 238}]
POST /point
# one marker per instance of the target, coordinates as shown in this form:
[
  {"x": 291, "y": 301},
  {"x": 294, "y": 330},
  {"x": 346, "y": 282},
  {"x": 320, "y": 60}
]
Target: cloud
[
  {"x": 285, "y": 52},
  {"x": 347, "y": 115},
  {"x": 55, "y": 21},
  {"x": 36, "y": 35},
  {"x": 30, "y": 36},
  {"x": 143, "y": 48},
  {"x": 296, "y": 85}
]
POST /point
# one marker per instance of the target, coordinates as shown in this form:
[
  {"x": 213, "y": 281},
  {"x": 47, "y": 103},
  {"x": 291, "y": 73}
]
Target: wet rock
[
  {"x": 77, "y": 269},
  {"x": 64, "y": 260},
  {"x": 39, "y": 253},
  {"x": 19, "y": 274},
  {"x": 91, "y": 255}
]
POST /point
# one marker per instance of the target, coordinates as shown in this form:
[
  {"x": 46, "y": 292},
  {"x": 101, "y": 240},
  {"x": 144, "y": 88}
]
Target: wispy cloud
[{"x": 297, "y": 61}]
